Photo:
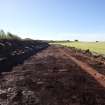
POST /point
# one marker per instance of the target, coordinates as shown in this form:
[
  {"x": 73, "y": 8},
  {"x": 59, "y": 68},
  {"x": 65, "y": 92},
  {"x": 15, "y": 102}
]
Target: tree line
[{"x": 8, "y": 35}]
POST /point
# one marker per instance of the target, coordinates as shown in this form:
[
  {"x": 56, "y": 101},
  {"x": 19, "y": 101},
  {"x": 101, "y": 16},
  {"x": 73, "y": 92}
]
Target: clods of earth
[{"x": 51, "y": 77}]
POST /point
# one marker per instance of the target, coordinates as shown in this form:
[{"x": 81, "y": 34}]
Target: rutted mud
[{"x": 50, "y": 78}]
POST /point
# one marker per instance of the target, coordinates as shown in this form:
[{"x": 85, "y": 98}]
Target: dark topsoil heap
[
  {"x": 13, "y": 52},
  {"x": 51, "y": 78}
]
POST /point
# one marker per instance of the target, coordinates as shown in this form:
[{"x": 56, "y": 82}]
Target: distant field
[{"x": 98, "y": 47}]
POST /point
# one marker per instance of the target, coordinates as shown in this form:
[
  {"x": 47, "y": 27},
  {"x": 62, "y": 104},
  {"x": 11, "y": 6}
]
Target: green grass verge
[{"x": 98, "y": 47}]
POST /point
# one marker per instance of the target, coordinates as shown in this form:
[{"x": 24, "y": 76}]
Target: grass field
[{"x": 98, "y": 47}]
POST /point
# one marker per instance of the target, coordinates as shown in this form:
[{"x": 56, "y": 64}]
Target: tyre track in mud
[
  {"x": 52, "y": 77},
  {"x": 95, "y": 61},
  {"x": 94, "y": 73}
]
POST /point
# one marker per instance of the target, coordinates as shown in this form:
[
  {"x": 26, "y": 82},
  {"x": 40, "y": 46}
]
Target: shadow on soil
[{"x": 8, "y": 62}]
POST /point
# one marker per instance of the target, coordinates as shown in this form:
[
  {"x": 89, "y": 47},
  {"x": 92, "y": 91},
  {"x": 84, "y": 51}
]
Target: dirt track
[{"x": 55, "y": 76}]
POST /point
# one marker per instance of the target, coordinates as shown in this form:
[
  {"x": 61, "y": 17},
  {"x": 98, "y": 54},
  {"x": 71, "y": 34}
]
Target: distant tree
[
  {"x": 11, "y": 36},
  {"x": 2, "y": 34},
  {"x": 27, "y": 39},
  {"x": 67, "y": 40},
  {"x": 97, "y": 41},
  {"x": 76, "y": 40}
]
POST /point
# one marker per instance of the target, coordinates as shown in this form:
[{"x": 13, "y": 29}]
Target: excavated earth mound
[
  {"x": 52, "y": 77},
  {"x": 13, "y": 52}
]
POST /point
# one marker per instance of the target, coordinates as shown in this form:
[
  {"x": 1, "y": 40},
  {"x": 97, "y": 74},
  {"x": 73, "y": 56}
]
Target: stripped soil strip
[
  {"x": 52, "y": 77},
  {"x": 97, "y": 76}
]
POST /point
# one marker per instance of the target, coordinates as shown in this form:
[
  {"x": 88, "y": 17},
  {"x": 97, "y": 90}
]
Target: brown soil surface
[{"x": 55, "y": 76}]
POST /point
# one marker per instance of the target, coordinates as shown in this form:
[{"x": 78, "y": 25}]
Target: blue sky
[{"x": 54, "y": 19}]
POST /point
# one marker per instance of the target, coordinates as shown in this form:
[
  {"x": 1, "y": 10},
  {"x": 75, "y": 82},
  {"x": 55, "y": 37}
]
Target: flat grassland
[{"x": 98, "y": 47}]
